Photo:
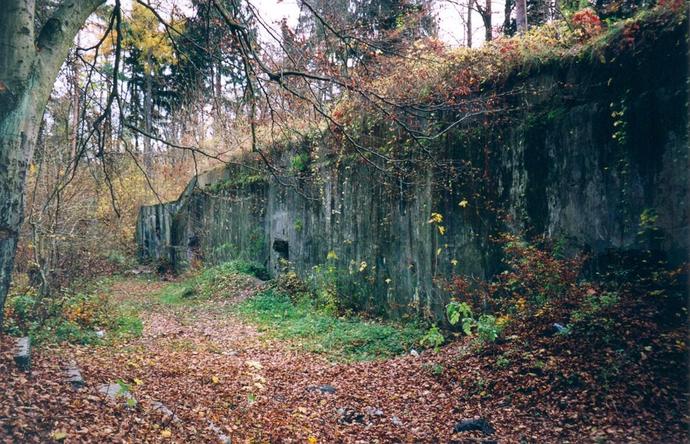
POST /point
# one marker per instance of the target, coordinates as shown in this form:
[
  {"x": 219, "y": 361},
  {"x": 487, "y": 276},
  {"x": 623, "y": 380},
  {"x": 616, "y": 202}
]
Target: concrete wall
[{"x": 551, "y": 167}]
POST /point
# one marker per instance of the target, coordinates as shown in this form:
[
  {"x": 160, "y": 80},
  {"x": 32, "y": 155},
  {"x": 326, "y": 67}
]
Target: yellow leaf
[
  {"x": 215, "y": 379},
  {"x": 255, "y": 364},
  {"x": 463, "y": 203},
  {"x": 166, "y": 433},
  {"x": 138, "y": 381},
  {"x": 436, "y": 218},
  {"x": 58, "y": 435},
  {"x": 312, "y": 440}
]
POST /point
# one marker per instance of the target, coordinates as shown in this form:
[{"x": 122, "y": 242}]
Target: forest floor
[{"x": 221, "y": 377}]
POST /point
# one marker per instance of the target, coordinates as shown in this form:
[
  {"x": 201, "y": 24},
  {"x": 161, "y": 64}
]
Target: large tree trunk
[
  {"x": 28, "y": 68},
  {"x": 508, "y": 9},
  {"x": 521, "y": 15}
]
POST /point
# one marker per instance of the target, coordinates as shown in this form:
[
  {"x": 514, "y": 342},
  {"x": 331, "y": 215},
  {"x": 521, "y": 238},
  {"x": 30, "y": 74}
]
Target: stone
[
  {"x": 22, "y": 355},
  {"x": 472, "y": 425},
  {"x": 373, "y": 411},
  {"x": 348, "y": 415},
  {"x": 414, "y": 353},
  {"x": 222, "y": 437},
  {"x": 164, "y": 410},
  {"x": 74, "y": 375},
  {"x": 324, "y": 389},
  {"x": 560, "y": 328},
  {"x": 113, "y": 391},
  {"x": 396, "y": 421}
]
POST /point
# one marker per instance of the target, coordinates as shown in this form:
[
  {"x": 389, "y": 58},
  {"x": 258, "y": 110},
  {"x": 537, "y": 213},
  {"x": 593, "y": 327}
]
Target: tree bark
[
  {"x": 74, "y": 135},
  {"x": 488, "y": 22},
  {"x": 521, "y": 15},
  {"x": 508, "y": 9},
  {"x": 148, "y": 113},
  {"x": 28, "y": 68},
  {"x": 469, "y": 24}
]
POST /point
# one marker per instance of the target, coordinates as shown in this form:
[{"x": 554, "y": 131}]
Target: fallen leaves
[{"x": 264, "y": 391}]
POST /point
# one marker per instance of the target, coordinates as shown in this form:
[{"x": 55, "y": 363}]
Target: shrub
[
  {"x": 486, "y": 326},
  {"x": 586, "y": 24},
  {"x": 433, "y": 338},
  {"x": 221, "y": 280},
  {"x": 324, "y": 286},
  {"x": 67, "y": 316}
]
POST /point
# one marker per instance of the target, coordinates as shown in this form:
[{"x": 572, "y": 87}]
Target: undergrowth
[
  {"x": 318, "y": 331},
  {"x": 219, "y": 281},
  {"x": 86, "y": 316},
  {"x": 294, "y": 314}
]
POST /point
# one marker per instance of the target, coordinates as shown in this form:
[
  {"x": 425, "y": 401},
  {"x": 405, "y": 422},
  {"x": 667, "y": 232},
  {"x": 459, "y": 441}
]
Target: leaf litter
[{"x": 217, "y": 376}]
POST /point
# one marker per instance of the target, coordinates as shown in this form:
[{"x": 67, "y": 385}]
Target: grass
[
  {"x": 216, "y": 281},
  {"x": 301, "y": 323},
  {"x": 340, "y": 339}
]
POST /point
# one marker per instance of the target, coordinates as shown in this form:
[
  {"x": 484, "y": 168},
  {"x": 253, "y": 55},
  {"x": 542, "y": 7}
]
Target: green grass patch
[
  {"x": 221, "y": 280},
  {"x": 339, "y": 338}
]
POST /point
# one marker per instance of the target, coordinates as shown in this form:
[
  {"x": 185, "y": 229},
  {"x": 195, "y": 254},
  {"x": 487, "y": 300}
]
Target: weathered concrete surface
[
  {"x": 552, "y": 169},
  {"x": 22, "y": 354},
  {"x": 153, "y": 230},
  {"x": 74, "y": 376}
]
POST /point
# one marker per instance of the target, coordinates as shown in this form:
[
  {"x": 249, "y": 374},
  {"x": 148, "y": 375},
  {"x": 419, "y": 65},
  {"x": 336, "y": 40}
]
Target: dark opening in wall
[{"x": 282, "y": 247}]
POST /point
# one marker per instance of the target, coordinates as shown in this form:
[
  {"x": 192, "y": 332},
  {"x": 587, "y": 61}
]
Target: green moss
[
  {"x": 299, "y": 163},
  {"x": 239, "y": 178}
]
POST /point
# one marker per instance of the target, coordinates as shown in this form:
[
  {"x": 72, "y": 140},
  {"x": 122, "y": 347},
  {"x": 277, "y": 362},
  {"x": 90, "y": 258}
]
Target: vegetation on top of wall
[
  {"x": 432, "y": 75},
  {"x": 238, "y": 179}
]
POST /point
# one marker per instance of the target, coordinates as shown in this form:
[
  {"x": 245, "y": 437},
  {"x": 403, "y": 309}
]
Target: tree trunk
[
  {"x": 28, "y": 68},
  {"x": 469, "y": 24},
  {"x": 74, "y": 135},
  {"x": 488, "y": 25},
  {"x": 507, "y": 26},
  {"x": 148, "y": 111},
  {"x": 521, "y": 15}
]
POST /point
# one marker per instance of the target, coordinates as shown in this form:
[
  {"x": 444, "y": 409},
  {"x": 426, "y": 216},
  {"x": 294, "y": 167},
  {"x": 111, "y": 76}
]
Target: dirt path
[
  {"x": 207, "y": 366},
  {"x": 221, "y": 378}
]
